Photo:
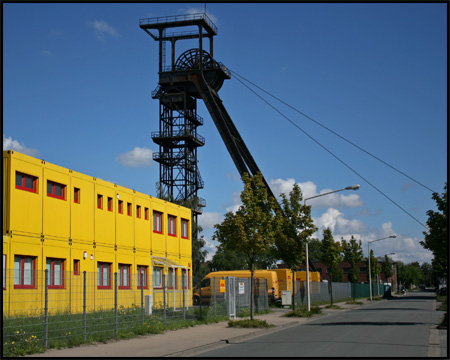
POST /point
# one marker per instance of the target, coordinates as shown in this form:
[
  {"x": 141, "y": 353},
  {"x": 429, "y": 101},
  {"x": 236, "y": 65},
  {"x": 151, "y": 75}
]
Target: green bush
[
  {"x": 303, "y": 312},
  {"x": 248, "y": 323}
]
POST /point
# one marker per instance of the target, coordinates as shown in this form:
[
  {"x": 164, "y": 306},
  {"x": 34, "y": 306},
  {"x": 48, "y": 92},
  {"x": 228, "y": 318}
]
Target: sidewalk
[{"x": 188, "y": 341}]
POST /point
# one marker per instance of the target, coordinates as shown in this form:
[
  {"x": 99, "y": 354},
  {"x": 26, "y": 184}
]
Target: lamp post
[
  {"x": 308, "y": 297},
  {"x": 368, "y": 251}
]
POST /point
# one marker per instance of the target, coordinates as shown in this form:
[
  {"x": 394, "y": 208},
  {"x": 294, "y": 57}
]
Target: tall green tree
[
  {"x": 353, "y": 254},
  {"x": 330, "y": 255},
  {"x": 294, "y": 226},
  {"x": 314, "y": 249},
  {"x": 250, "y": 230},
  {"x": 375, "y": 267},
  {"x": 436, "y": 237},
  {"x": 228, "y": 260},
  {"x": 409, "y": 274},
  {"x": 386, "y": 268}
]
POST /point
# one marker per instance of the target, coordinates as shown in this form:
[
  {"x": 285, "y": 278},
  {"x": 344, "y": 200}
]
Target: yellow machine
[{"x": 207, "y": 283}]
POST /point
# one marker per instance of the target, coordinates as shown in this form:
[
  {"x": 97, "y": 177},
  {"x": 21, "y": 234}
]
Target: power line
[
  {"x": 335, "y": 133},
  {"x": 332, "y": 154}
]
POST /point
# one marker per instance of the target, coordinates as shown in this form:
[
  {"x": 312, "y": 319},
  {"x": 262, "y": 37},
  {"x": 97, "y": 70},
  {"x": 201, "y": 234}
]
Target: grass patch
[
  {"x": 442, "y": 302},
  {"x": 354, "y": 302},
  {"x": 25, "y": 335},
  {"x": 303, "y": 312},
  {"x": 337, "y": 307},
  {"x": 248, "y": 323}
]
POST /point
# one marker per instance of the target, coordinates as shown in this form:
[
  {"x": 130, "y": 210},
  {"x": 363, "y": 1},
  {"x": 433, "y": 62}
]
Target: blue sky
[{"x": 77, "y": 82}]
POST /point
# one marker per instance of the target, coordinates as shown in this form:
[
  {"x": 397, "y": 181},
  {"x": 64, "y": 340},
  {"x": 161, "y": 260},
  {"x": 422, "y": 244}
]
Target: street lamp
[
  {"x": 368, "y": 252},
  {"x": 308, "y": 297}
]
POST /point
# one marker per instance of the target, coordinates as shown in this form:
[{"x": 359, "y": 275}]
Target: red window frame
[
  {"x": 76, "y": 195},
  {"x": 129, "y": 209},
  {"x": 23, "y": 182},
  {"x": 51, "y": 278},
  {"x": 99, "y": 201},
  {"x": 53, "y": 185},
  {"x": 157, "y": 220},
  {"x": 76, "y": 267},
  {"x": 161, "y": 271},
  {"x": 171, "y": 225},
  {"x": 183, "y": 274},
  {"x": 110, "y": 204},
  {"x": 120, "y": 207},
  {"x": 146, "y": 213},
  {"x": 185, "y": 229},
  {"x": 123, "y": 276},
  {"x": 172, "y": 274},
  {"x": 33, "y": 275},
  {"x": 144, "y": 270},
  {"x": 104, "y": 266},
  {"x": 138, "y": 211},
  {"x": 4, "y": 271}
]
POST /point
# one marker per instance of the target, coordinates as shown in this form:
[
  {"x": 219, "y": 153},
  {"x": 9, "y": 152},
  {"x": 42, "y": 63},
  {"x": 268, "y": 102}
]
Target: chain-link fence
[
  {"x": 320, "y": 292},
  {"x": 231, "y": 297},
  {"x": 51, "y": 309}
]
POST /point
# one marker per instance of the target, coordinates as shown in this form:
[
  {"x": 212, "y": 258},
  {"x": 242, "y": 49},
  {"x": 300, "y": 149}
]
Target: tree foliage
[
  {"x": 250, "y": 230},
  {"x": 330, "y": 255},
  {"x": 386, "y": 268},
  {"x": 294, "y": 226},
  {"x": 375, "y": 267},
  {"x": 409, "y": 274},
  {"x": 353, "y": 254},
  {"x": 436, "y": 237}
]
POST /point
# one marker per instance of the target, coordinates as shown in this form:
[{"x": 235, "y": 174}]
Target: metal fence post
[
  {"x": 46, "y": 309},
  {"x": 214, "y": 297},
  {"x": 164, "y": 298},
  {"x": 183, "y": 285},
  {"x": 84, "y": 306},
  {"x": 200, "y": 287},
  {"x": 142, "y": 297},
  {"x": 116, "y": 327}
]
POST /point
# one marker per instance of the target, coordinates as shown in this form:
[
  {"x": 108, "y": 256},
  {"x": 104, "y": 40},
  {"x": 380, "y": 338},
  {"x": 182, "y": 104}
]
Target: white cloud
[
  {"x": 10, "y": 144},
  {"x": 136, "y": 157},
  {"x": 201, "y": 10},
  {"x": 102, "y": 28},
  {"x": 46, "y": 53},
  {"x": 309, "y": 189},
  {"x": 208, "y": 219}
]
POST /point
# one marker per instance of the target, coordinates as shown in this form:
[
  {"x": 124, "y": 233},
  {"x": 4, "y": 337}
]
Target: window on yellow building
[
  {"x": 56, "y": 190},
  {"x": 76, "y": 267},
  {"x": 124, "y": 276},
  {"x": 129, "y": 209},
  {"x": 157, "y": 222},
  {"x": 103, "y": 275},
  {"x": 138, "y": 211},
  {"x": 4, "y": 271},
  {"x": 172, "y": 227},
  {"x": 55, "y": 271},
  {"x": 157, "y": 277},
  {"x": 99, "y": 201},
  {"x": 185, "y": 278},
  {"x": 172, "y": 278},
  {"x": 109, "y": 203},
  {"x": 184, "y": 229},
  {"x": 76, "y": 195},
  {"x": 146, "y": 213},
  {"x": 24, "y": 272},
  {"x": 26, "y": 182},
  {"x": 142, "y": 270},
  {"x": 120, "y": 207}
]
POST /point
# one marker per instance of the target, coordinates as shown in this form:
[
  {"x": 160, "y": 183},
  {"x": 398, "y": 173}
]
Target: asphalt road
[{"x": 398, "y": 327}]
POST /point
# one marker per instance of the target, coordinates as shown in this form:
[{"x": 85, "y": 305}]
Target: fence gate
[{"x": 231, "y": 297}]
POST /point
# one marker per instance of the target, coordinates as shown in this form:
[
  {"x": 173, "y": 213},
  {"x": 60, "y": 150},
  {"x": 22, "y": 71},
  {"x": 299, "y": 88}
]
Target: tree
[
  {"x": 199, "y": 270},
  {"x": 249, "y": 231},
  {"x": 409, "y": 274},
  {"x": 375, "y": 267},
  {"x": 353, "y": 254},
  {"x": 436, "y": 237},
  {"x": 294, "y": 226},
  {"x": 330, "y": 255},
  {"x": 386, "y": 268},
  {"x": 228, "y": 260},
  {"x": 427, "y": 271},
  {"x": 314, "y": 249}
]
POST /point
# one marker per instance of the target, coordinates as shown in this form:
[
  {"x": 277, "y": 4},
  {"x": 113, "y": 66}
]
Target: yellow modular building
[{"x": 90, "y": 235}]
